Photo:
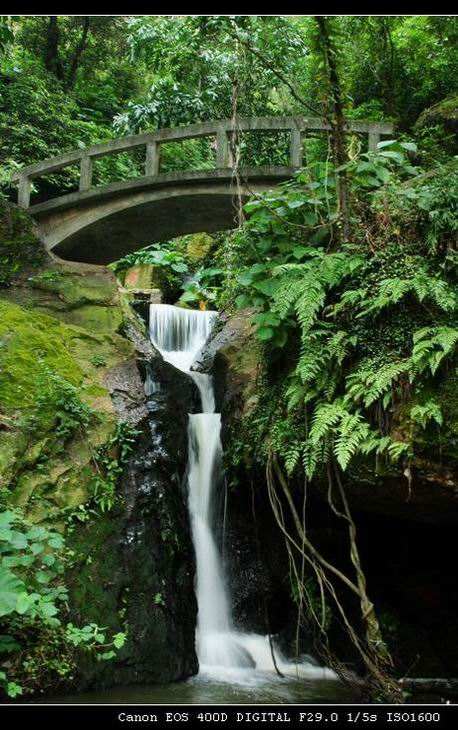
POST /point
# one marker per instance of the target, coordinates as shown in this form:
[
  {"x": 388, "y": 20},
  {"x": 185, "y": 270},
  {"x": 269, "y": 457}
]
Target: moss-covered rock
[
  {"x": 78, "y": 294},
  {"x": 68, "y": 379},
  {"x": 34, "y": 463},
  {"x": 198, "y": 246},
  {"x": 235, "y": 355},
  {"x": 444, "y": 113}
]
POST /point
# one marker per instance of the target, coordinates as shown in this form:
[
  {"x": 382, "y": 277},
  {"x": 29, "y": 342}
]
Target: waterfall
[{"x": 222, "y": 650}]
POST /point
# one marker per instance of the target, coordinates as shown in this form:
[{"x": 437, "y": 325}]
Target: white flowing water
[{"x": 223, "y": 652}]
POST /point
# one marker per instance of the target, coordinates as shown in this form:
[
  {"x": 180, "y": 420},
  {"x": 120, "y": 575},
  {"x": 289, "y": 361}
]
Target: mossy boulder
[
  {"x": 235, "y": 355},
  {"x": 68, "y": 379},
  {"x": 444, "y": 114},
  {"x": 79, "y": 294},
  {"x": 37, "y": 466},
  {"x": 198, "y": 246},
  {"x": 61, "y": 318}
]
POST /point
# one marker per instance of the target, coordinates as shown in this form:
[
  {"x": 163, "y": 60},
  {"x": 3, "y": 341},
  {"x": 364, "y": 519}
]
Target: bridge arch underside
[{"x": 100, "y": 232}]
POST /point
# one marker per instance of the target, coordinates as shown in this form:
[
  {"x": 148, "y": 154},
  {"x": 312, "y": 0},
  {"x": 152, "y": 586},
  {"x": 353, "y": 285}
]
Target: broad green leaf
[
  {"x": 119, "y": 640},
  {"x": 56, "y": 541},
  {"x": 386, "y": 143},
  {"x": 106, "y": 655},
  {"x": 6, "y": 518},
  {"x": 8, "y": 643},
  {"x": 10, "y": 587},
  {"x": 24, "y": 602},
  {"x": 242, "y": 301},
  {"x": 37, "y": 548}
]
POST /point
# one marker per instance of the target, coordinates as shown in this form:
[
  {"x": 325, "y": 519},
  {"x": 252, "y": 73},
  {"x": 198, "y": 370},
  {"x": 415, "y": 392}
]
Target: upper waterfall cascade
[{"x": 222, "y": 650}]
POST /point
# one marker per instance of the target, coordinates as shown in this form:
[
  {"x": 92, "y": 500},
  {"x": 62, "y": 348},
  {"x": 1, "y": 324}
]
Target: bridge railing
[{"x": 221, "y": 130}]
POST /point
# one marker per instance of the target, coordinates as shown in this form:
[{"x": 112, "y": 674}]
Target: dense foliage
[
  {"x": 40, "y": 643},
  {"x": 71, "y": 81},
  {"x": 373, "y": 323}
]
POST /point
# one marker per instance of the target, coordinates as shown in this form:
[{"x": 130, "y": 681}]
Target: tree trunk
[
  {"x": 71, "y": 76},
  {"x": 336, "y": 120},
  {"x": 51, "y": 54}
]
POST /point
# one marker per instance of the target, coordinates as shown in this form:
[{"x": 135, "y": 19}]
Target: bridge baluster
[
  {"x": 152, "y": 159},
  {"x": 86, "y": 173},
  {"x": 23, "y": 196},
  {"x": 374, "y": 139},
  {"x": 223, "y": 130},
  {"x": 295, "y": 150},
  {"x": 222, "y": 148}
]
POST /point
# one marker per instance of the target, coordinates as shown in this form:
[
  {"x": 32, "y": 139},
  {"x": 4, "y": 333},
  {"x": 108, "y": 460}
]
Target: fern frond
[
  {"x": 326, "y": 416},
  {"x": 352, "y": 431}
]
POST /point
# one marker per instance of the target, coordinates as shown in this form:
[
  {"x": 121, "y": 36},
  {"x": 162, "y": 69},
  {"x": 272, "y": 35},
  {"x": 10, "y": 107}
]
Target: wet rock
[
  {"x": 147, "y": 561},
  {"x": 127, "y": 392},
  {"x": 256, "y": 565},
  {"x": 157, "y": 548},
  {"x": 233, "y": 354}
]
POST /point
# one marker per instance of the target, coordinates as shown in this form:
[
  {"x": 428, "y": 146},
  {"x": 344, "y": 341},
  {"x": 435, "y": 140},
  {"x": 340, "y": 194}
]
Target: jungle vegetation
[{"x": 349, "y": 269}]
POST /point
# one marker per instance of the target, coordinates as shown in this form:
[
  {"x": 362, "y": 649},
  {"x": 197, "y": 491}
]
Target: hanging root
[
  {"x": 264, "y": 601},
  {"x": 372, "y": 649}
]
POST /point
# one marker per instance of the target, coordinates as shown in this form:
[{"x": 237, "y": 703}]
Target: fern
[
  {"x": 292, "y": 457},
  {"x": 286, "y": 295},
  {"x": 308, "y": 304},
  {"x": 368, "y": 384},
  {"x": 302, "y": 288},
  {"x": 423, "y": 285},
  {"x": 431, "y": 346},
  {"x": 422, "y": 413},
  {"x": 349, "y": 299},
  {"x": 353, "y": 430},
  {"x": 312, "y": 455},
  {"x": 326, "y": 416}
]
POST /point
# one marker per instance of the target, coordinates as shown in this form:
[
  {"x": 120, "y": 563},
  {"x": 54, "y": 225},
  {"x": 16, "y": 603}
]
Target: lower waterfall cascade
[{"x": 223, "y": 651}]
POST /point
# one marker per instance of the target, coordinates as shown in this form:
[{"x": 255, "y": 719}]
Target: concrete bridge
[{"x": 99, "y": 224}]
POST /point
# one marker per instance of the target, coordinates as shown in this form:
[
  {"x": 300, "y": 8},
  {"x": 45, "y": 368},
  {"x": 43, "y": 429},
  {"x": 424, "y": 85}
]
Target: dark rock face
[
  {"x": 233, "y": 355},
  {"x": 141, "y": 571},
  {"x": 156, "y": 546},
  {"x": 127, "y": 392},
  {"x": 256, "y": 565}
]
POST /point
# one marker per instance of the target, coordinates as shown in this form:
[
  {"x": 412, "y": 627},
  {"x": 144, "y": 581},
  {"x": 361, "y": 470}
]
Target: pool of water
[{"x": 261, "y": 689}]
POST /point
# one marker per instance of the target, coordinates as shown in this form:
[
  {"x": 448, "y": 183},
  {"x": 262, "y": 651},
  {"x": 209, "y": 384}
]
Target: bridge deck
[{"x": 163, "y": 181}]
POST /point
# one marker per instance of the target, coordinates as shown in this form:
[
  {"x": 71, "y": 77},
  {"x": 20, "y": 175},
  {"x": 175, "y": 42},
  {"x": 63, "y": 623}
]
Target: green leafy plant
[
  {"x": 98, "y": 361},
  {"x": 109, "y": 461},
  {"x": 33, "y": 604},
  {"x": 58, "y": 401}
]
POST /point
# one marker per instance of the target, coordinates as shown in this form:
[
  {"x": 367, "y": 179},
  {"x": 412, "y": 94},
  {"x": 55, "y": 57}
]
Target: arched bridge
[{"x": 99, "y": 224}]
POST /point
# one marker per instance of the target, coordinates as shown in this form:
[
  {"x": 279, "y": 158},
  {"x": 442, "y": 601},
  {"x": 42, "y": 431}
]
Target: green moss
[
  {"x": 90, "y": 577},
  {"x": 44, "y": 474},
  {"x": 198, "y": 245},
  {"x": 25, "y": 339},
  {"x": 445, "y": 112},
  {"x": 76, "y": 288}
]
